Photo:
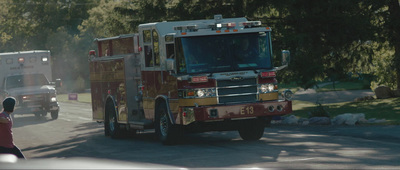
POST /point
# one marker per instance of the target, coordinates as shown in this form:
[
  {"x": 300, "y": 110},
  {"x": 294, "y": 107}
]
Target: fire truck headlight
[
  {"x": 264, "y": 88},
  {"x": 206, "y": 92},
  {"x": 53, "y": 99},
  {"x": 287, "y": 94},
  {"x": 270, "y": 87},
  {"x": 200, "y": 93}
]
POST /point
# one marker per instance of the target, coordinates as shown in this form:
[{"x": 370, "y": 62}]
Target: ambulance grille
[{"x": 229, "y": 91}]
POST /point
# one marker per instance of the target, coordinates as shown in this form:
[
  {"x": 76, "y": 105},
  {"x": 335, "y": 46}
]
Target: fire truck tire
[
  {"x": 54, "y": 114},
  {"x": 252, "y": 131},
  {"x": 112, "y": 123},
  {"x": 168, "y": 133}
]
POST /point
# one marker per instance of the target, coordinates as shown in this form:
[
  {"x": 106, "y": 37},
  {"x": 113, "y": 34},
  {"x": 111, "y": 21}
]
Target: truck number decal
[{"x": 247, "y": 110}]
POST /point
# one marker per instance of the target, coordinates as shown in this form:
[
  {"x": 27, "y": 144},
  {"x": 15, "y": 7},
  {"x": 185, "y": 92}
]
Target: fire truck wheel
[
  {"x": 112, "y": 123},
  {"x": 54, "y": 114},
  {"x": 168, "y": 133},
  {"x": 252, "y": 131}
]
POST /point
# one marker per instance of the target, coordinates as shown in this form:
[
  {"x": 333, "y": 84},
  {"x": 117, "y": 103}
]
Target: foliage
[
  {"x": 379, "y": 108},
  {"x": 327, "y": 39}
]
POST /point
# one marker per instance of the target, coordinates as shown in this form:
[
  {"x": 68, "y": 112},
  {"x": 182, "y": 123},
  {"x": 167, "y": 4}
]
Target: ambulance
[{"x": 27, "y": 76}]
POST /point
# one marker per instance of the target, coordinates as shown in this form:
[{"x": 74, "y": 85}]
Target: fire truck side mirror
[
  {"x": 285, "y": 60},
  {"x": 170, "y": 64}
]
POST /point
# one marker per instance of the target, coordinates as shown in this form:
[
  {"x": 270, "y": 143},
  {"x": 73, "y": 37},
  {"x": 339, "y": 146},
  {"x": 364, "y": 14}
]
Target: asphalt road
[{"x": 75, "y": 135}]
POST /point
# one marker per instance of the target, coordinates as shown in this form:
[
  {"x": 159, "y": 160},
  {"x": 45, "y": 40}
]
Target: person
[{"x": 6, "y": 136}]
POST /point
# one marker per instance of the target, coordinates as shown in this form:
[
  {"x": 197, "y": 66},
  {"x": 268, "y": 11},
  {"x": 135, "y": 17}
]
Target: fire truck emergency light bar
[{"x": 217, "y": 26}]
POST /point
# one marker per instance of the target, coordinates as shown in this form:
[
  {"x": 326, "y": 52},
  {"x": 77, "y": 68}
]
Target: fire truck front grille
[{"x": 237, "y": 91}]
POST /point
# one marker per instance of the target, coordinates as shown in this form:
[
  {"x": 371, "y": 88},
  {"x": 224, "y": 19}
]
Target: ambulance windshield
[
  {"x": 233, "y": 52},
  {"x": 25, "y": 80}
]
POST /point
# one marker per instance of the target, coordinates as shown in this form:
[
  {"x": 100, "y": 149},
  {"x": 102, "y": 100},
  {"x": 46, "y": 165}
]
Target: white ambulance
[{"x": 27, "y": 76}]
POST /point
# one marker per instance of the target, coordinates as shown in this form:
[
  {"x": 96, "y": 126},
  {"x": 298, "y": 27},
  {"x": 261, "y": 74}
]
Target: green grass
[
  {"x": 82, "y": 97},
  {"x": 388, "y": 109},
  {"x": 291, "y": 86}
]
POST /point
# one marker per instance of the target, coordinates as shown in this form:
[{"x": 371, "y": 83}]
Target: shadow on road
[
  {"x": 219, "y": 149},
  {"x": 25, "y": 120}
]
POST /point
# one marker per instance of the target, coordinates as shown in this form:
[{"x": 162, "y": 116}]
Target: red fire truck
[{"x": 187, "y": 76}]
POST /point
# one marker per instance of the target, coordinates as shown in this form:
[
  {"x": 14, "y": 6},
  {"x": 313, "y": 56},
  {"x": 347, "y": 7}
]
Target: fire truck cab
[{"x": 187, "y": 76}]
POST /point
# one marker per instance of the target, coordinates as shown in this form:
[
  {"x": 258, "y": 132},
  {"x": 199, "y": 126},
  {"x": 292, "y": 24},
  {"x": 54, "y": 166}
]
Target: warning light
[
  {"x": 44, "y": 59},
  {"x": 21, "y": 60},
  {"x": 268, "y": 74}
]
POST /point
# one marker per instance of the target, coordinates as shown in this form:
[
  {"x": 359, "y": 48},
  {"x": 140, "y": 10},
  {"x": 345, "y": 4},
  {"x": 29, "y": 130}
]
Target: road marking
[
  {"x": 83, "y": 118},
  {"x": 303, "y": 159},
  {"x": 69, "y": 120}
]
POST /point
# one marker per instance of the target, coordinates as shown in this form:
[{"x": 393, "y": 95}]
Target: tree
[
  {"x": 113, "y": 18},
  {"x": 47, "y": 25},
  {"x": 324, "y": 37}
]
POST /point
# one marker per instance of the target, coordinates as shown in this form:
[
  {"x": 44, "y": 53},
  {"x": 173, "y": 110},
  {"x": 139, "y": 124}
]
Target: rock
[
  {"x": 319, "y": 121},
  {"x": 291, "y": 120},
  {"x": 383, "y": 92},
  {"x": 348, "y": 119},
  {"x": 305, "y": 123}
]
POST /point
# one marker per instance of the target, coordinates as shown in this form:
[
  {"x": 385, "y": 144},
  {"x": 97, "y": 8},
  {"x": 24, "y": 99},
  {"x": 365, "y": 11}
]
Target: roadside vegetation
[
  {"x": 388, "y": 109},
  {"x": 327, "y": 39}
]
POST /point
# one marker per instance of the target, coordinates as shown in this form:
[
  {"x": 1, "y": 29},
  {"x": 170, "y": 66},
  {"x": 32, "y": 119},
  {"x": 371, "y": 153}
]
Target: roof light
[
  {"x": 186, "y": 28},
  {"x": 199, "y": 79},
  {"x": 44, "y": 59},
  {"x": 21, "y": 60},
  {"x": 231, "y": 25},
  {"x": 268, "y": 74},
  {"x": 250, "y": 24},
  {"x": 92, "y": 53}
]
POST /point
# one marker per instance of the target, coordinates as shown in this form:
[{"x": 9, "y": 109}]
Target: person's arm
[{"x": 4, "y": 120}]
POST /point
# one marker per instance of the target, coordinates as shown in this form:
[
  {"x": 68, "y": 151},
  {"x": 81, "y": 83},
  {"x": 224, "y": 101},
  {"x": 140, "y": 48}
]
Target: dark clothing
[{"x": 15, "y": 150}]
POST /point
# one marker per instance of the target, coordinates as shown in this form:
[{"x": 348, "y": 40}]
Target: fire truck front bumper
[{"x": 234, "y": 112}]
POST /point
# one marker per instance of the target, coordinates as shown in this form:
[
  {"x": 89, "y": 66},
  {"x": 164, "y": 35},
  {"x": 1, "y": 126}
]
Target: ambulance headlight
[{"x": 53, "y": 99}]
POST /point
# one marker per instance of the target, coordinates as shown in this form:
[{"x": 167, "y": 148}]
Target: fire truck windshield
[
  {"x": 222, "y": 53},
  {"x": 17, "y": 81}
]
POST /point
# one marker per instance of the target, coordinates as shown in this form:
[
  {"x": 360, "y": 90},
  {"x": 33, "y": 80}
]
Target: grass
[
  {"x": 388, "y": 109},
  {"x": 291, "y": 86}
]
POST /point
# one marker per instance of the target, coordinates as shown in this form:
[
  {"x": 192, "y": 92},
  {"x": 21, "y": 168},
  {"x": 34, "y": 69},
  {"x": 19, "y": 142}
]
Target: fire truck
[
  {"x": 27, "y": 76},
  {"x": 188, "y": 76}
]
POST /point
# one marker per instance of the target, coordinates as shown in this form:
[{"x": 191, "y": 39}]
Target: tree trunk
[{"x": 394, "y": 26}]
